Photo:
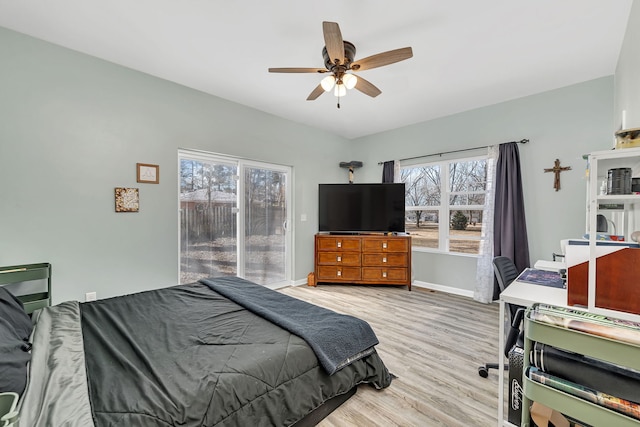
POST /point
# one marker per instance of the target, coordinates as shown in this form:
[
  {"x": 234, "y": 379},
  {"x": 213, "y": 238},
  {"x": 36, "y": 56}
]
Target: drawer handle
[
  {"x": 339, "y": 273},
  {"x": 384, "y": 245},
  {"x": 339, "y": 259},
  {"x": 384, "y": 259},
  {"x": 339, "y": 244},
  {"x": 384, "y": 274}
]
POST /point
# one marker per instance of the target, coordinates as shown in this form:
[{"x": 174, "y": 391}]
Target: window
[{"x": 445, "y": 204}]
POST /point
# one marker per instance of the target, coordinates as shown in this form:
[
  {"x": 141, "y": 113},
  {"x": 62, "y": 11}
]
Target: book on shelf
[
  {"x": 604, "y": 376},
  {"x": 617, "y": 404},
  {"x": 542, "y": 277},
  {"x": 590, "y": 323}
]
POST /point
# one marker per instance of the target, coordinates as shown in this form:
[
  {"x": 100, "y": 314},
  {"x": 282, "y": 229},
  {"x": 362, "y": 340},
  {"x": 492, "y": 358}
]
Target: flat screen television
[{"x": 361, "y": 208}]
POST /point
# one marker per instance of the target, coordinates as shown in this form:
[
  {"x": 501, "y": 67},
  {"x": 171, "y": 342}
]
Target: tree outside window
[{"x": 445, "y": 204}]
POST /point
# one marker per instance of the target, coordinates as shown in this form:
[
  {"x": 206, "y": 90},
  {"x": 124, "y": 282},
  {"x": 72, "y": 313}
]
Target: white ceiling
[{"x": 467, "y": 53}]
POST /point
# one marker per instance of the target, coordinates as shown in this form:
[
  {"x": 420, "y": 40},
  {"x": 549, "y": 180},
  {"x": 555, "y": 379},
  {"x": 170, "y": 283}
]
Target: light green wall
[
  {"x": 627, "y": 92},
  {"x": 564, "y": 124},
  {"x": 73, "y": 127}
]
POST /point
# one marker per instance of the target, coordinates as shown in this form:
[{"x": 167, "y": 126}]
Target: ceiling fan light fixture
[
  {"x": 349, "y": 81},
  {"x": 339, "y": 60},
  {"x": 328, "y": 82}
]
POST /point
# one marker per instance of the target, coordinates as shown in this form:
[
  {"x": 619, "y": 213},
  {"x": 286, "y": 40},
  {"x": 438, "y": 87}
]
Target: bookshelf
[
  {"x": 610, "y": 350},
  {"x": 622, "y": 213}
]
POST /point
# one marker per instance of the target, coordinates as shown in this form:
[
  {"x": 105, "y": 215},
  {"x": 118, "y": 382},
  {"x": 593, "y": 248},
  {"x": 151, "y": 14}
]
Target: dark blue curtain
[
  {"x": 509, "y": 225},
  {"x": 387, "y": 171}
]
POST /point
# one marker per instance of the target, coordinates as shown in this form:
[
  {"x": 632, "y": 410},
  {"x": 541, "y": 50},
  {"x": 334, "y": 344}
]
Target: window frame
[{"x": 445, "y": 209}]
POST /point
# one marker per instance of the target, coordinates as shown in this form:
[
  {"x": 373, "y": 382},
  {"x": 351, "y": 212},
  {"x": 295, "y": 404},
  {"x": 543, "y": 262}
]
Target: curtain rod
[{"x": 522, "y": 141}]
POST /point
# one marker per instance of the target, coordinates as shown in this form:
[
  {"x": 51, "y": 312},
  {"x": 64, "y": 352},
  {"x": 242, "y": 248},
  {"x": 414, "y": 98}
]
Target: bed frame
[{"x": 322, "y": 411}]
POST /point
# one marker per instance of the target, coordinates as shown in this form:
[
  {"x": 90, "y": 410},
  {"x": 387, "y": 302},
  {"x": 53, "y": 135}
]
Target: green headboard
[{"x": 24, "y": 273}]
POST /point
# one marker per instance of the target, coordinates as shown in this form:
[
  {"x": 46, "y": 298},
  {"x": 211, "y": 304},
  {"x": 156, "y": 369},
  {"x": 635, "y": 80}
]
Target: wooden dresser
[{"x": 363, "y": 259}]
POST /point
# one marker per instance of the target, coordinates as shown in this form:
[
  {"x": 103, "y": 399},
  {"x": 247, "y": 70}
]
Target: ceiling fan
[{"x": 339, "y": 60}]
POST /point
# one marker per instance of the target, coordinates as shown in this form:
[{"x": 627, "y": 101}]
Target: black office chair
[{"x": 506, "y": 272}]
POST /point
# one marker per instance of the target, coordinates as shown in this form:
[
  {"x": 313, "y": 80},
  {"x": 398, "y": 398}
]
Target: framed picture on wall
[
  {"x": 127, "y": 199},
  {"x": 148, "y": 174}
]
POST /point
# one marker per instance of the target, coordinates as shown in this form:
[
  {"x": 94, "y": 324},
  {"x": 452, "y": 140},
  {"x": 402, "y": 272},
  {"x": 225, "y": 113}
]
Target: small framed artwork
[
  {"x": 148, "y": 174},
  {"x": 127, "y": 199}
]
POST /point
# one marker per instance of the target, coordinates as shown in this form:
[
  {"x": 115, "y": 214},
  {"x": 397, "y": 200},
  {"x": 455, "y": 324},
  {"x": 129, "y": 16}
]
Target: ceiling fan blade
[
  {"x": 367, "y": 87},
  {"x": 297, "y": 70},
  {"x": 384, "y": 58},
  {"x": 315, "y": 93},
  {"x": 333, "y": 42}
]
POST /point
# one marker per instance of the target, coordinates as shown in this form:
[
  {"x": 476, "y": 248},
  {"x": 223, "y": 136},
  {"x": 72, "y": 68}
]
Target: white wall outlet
[
  {"x": 303, "y": 217},
  {"x": 90, "y": 296}
]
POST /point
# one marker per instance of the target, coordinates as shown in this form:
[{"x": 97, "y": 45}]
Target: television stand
[{"x": 363, "y": 259}]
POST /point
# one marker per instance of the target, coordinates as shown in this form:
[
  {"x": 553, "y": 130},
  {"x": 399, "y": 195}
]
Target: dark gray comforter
[
  {"x": 188, "y": 356},
  {"x": 336, "y": 339}
]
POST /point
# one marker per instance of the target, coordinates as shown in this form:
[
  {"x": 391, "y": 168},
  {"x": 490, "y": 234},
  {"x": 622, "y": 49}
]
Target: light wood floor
[{"x": 433, "y": 342}]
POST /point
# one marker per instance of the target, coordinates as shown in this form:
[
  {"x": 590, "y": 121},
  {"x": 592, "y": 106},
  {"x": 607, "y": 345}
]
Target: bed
[{"x": 219, "y": 352}]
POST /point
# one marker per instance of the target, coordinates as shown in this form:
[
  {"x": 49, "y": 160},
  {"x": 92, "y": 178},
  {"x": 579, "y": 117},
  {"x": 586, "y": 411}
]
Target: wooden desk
[{"x": 524, "y": 294}]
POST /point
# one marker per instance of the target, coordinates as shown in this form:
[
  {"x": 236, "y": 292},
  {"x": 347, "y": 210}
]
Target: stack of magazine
[
  {"x": 542, "y": 277},
  {"x": 603, "y": 383}
]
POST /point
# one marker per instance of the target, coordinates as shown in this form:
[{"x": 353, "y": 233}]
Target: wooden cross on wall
[{"x": 556, "y": 169}]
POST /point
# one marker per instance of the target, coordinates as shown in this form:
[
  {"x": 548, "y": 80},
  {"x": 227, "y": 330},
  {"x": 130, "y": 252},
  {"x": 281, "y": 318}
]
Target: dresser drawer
[
  {"x": 339, "y": 258},
  {"x": 383, "y": 274},
  {"x": 384, "y": 259},
  {"x": 333, "y": 243},
  {"x": 331, "y": 273},
  {"x": 386, "y": 245}
]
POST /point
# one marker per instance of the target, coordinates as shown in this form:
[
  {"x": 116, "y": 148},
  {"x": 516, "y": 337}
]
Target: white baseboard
[
  {"x": 441, "y": 288},
  {"x": 286, "y": 285}
]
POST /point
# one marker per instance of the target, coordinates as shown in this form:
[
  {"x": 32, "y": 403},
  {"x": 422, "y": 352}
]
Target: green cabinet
[
  {"x": 17, "y": 274},
  {"x": 602, "y": 348}
]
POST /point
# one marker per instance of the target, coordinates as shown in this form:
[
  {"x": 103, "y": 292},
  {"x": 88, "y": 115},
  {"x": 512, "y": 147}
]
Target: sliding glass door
[
  {"x": 208, "y": 217},
  {"x": 265, "y": 224},
  {"x": 233, "y": 219}
]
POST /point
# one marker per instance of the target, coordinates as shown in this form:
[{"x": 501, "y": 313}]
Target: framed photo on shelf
[{"x": 148, "y": 174}]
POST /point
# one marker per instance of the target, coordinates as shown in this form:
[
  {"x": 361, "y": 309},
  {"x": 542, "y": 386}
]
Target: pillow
[{"x": 15, "y": 330}]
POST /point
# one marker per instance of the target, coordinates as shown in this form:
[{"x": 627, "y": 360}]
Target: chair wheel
[{"x": 483, "y": 371}]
